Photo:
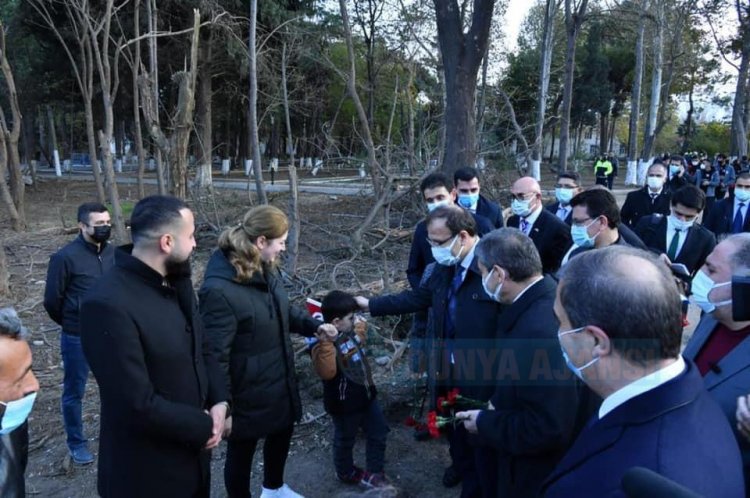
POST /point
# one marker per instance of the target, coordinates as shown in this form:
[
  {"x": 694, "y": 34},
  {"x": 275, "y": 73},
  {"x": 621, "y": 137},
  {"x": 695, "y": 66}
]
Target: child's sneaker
[
  {"x": 354, "y": 477},
  {"x": 374, "y": 480}
]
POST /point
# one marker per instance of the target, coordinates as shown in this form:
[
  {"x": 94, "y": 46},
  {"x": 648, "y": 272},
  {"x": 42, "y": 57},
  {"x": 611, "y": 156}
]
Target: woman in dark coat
[{"x": 247, "y": 319}]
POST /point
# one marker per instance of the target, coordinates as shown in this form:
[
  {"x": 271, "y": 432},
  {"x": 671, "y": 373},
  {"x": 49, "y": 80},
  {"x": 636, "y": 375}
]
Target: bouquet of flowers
[
  {"x": 436, "y": 422},
  {"x": 454, "y": 401}
]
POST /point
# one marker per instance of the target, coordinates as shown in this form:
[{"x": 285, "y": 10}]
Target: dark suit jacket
[
  {"x": 676, "y": 430},
  {"x": 721, "y": 216},
  {"x": 638, "y": 204},
  {"x": 144, "y": 343},
  {"x": 697, "y": 246},
  {"x": 420, "y": 254},
  {"x": 552, "y": 208},
  {"x": 730, "y": 380},
  {"x": 476, "y": 327},
  {"x": 551, "y": 237},
  {"x": 491, "y": 211},
  {"x": 536, "y": 398}
]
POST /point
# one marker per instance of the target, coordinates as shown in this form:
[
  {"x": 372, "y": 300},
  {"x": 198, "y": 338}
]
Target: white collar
[
  {"x": 531, "y": 218},
  {"x": 466, "y": 262},
  {"x": 642, "y": 385},
  {"x": 650, "y": 193}
]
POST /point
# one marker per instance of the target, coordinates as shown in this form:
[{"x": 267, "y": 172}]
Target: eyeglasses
[
  {"x": 560, "y": 185},
  {"x": 522, "y": 197},
  {"x": 582, "y": 223},
  {"x": 439, "y": 243}
]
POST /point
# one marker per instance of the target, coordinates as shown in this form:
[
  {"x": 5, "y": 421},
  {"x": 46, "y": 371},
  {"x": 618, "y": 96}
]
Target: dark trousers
[
  {"x": 345, "y": 428},
  {"x": 610, "y": 181},
  {"x": 76, "y": 372},
  {"x": 601, "y": 180},
  {"x": 485, "y": 462},
  {"x": 239, "y": 462},
  {"x": 464, "y": 461}
]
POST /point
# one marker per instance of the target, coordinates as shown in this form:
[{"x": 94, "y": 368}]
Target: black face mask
[{"x": 101, "y": 233}]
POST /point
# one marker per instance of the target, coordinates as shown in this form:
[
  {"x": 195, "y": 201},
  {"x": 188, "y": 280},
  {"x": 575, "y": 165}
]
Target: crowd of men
[{"x": 565, "y": 320}]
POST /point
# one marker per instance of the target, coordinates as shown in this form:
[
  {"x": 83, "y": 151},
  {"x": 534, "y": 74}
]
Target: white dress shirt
[{"x": 671, "y": 233}]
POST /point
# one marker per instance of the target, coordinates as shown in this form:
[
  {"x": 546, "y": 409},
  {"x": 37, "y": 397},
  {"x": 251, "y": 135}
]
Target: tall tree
[
  {"x": 649, "y": 133},
  {"x": 462, "y": 50},
  {"x": 740, "y": 111},
  {"x": 545, "y": 56},
  {"x": 575, "y": 15},
  {"x": 9, "y": 158},
  {"x": 631, "y": 177},
  {"x": 253, "y": 103}
]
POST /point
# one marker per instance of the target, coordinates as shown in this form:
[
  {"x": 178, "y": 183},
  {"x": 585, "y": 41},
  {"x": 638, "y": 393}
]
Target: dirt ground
[{"x": 415, "y": 468}]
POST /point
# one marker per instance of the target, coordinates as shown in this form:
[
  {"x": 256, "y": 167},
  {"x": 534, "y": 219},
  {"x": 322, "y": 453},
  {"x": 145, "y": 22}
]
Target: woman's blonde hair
[{"x": 238, "y": 242}]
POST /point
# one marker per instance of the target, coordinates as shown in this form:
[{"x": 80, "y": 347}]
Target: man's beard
[{"x": 177, "y": 268}]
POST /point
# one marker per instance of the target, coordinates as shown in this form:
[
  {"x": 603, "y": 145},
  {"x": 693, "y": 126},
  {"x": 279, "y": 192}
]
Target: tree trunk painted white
[
  {"x": 635, "y": 95},
  {"x": 56, "y": 161},
  {"x": 118, "y": 165},
  {"x": 642, "y": 170},
  {"x": 631, "y": 175},
  {"x": 536, "y": 169},
  {"x": 656, "y": 77},
  {"x": 248, "y": 166},
  {"x": 225, "y": 165}
]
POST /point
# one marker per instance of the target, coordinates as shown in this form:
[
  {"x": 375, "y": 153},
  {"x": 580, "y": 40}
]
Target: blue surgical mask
[
  {"x": 564, "y": 195},
  {"x": 468, "y": 201},
  {"x": 444, "y": 255},
  {"x": 701, "y": 287},
  {"x": 578, "y": 371},
  {"x": 521, "y": 208},
  {"x": 581, "y": 237},
  {"x": 16, "y": 413},
  {"x": 673, "y": 169},
  {"x": 741, "y": 194},
  {"x": 496, "y": 294},
  {"x": 681, "y": 224}
]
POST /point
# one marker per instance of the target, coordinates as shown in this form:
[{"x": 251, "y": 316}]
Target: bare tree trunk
[
  {"x": 516, "y": 129},
  {"x": 203, "y": 178},
  {"x": 153, "y": 18},
  {"x": 10, "y": 138},
  {"x": 631, "y": 177},
  {"x": 462, "y": 52},
  {"x": 574, "y": 18},
  {"x": 140, "y": 152},
  {"x": 548, "y": 36},
  {"x": 738, "y": 137},
  {"x": 54, "y": 150},
  {"x": 292, "y": 241},
  {"x": 376, "y": 171},
  {"x": 253, "y": 97},
  {"x": 649, "y": 134},
  {"x": 4, "y": 274}
]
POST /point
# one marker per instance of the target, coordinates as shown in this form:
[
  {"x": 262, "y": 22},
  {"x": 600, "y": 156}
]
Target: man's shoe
[
  {"x": 451, "y": 477},
  {"x": 282, "y": 492},
  {"x": 354, "y": 477},
  {"x": 374, "y": 480},
  {"x": 81, "y": 456}
]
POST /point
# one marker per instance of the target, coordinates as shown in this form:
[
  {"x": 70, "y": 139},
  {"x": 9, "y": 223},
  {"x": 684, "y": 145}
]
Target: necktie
[
  {"x": 653, "y": 198},
  {"x": 524, "y": 226},
  {"x": 672, "y": 251},
  {"x": 738, "y": 221},
  {"x": 562, "y": 213},
  {"x": 450, "y": 319}
]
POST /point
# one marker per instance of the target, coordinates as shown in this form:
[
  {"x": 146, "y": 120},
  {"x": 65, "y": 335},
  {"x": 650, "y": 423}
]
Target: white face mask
[
  {"x": 701, "y": 287},
  {"x": 444, "y": 255},
  {"x": 655, "y": 182},
  {"x": 16, "y": 413},
  {"x": 496, "y": 294},
  {"x": 431, "y": 206},
  {"x": 680, "y": 224}
]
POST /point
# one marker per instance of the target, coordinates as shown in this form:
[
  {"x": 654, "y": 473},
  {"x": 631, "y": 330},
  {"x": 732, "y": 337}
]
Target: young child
[{"x": 349, "y": 392}]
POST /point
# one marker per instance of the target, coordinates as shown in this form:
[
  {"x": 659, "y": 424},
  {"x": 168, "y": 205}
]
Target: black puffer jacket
[{"x": 248, "y": 327}]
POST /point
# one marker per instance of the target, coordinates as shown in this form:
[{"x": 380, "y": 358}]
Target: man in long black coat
[
  {"x": 462, "y": 322},
  {"x": 537, "y": 404},
  {"x": 142, "y": 337}
]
